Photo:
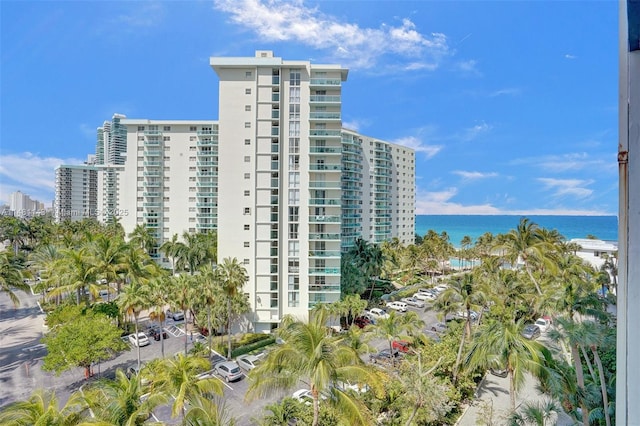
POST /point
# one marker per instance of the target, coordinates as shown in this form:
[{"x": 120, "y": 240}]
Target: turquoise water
[{"x": 457, "y": 226}]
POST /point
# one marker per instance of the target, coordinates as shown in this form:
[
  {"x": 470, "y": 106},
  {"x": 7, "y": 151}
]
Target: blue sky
[{"x": 511, "y": 106}]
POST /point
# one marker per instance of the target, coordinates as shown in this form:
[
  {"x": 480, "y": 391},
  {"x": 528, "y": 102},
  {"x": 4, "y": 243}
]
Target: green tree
[
  {"x": 132, "y": 301},
  {"x": 281, "y": 413},
  {"x": 539, "y": 414},
  {"x": 171, "y": 248},
  {"x": 233, "y": 277},
  {"x": 183, "y": 294},
  {"x": 11, "y": 277},
  {"x": 310, "y": 353},
  {"x": 500, "y": 345},
  {"x": 42, "y": 408},
  {"x": 108, "y": 255},
  {"x": 77, "y": 273},
  {"x": 84, "y": 339},
  {"x": 123, "y": 401},
  {"x": 158, "y": 298},
  {"x": 204, "y": 411},
  {"x": 178, "y": 376},
  {"x": 395, "y": 326},
  {"x": 143, "y": 237},
  {"x": 45, "y": 262}
]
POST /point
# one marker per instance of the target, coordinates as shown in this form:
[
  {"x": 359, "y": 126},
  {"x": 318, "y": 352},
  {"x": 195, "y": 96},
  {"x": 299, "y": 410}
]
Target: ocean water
[{"x": 457, "y": 226}]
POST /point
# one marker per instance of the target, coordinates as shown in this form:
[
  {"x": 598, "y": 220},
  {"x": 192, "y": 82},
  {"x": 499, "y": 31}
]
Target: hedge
[{"x": 245, "y": 349}]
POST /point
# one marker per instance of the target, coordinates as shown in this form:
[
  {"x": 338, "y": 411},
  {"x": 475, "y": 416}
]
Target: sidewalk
[{"x": 492, "y": 406}]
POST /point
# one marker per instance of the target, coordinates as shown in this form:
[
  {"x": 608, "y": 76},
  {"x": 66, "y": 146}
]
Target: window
[
  {"x": 294, "y": 248},
  {"x": 247, "y": 227},
  {"x": 141, "y": 128},
  {"x": 247, "y": 159},
  {"x": 246, "y": 244},
  {"x": 293, "y": 231},
  {"x": 294, "y": 95},
  {"x": 247, "y": 124},
  {"x": 245, "y": 262},
  {"x": 247, "y": 107},
  {"x": 167, "y": 128},
  {"x": 294, "y": 77},
  {"x": 247, "y": 193},
  {"x": 247, "y": 91},
  {"x": 247, "y": 175},
  {"x": 247, "y": 210},
  {"x": 247, "y": 141},
  {"x": 247, "y": 74},
  {"x": 166, "y": 138},
  {"x": 193, "y": 128}
]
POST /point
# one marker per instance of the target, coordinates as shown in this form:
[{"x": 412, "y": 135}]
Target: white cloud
[
  {"x": 570, "y": 56},
  {"x": 473, "y": 132},
  {"x": 468, "y": 67},
  {"x": 416, "y": 144},
  {"x": 356, "y": 124},
  {"x": 471, "y": 176},
  {"x": 509, "y": 91},
  {"x": 568, "y": 187},
  {"x": 31, "y": 174},
  {"x": 570, "y": 162},
  {"x": 356, "y": 47}
]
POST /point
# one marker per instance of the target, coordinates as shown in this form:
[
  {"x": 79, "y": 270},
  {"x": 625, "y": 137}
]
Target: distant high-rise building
[
  {"x": 23, "y": 206},
  {"x": 76, "y": 192},
  {"x": 111, "y": 144}
]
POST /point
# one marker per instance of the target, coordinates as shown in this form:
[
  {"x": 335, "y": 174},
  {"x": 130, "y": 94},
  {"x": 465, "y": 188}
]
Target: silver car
[
  {"x": 229, "y": 371},
  {"x": 248, "y": 362}
]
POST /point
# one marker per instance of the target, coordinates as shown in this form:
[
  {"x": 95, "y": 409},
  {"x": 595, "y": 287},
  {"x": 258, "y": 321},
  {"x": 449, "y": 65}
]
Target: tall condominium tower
[
  {"x": 111, "y": 144},
  {"x": 76, "y": 195},
  {"x": 295, "y": 189},
  {"x": 170, "y": 179},
  {"x": 23, "y": 206}
]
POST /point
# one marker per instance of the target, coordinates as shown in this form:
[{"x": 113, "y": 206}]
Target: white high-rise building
[
  {"x": 296, "y": 189},
  {"x": 76, "y": 192},
  {"x": 23, "y": 206}
]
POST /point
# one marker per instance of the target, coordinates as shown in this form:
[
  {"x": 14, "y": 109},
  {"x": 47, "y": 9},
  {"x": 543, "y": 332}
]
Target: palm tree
[
  {"x": 571, "y": 331},
  {"x": 595, "y": 336},
  {"x": 500, "y": 344},
  {"x": 465, "y": 243},
  {"x": 233, "y": 276},
  {"x": 158, "y": 298},
  {"x": 178, "y": 376},
  {"x": 210, "y": 283},
  {"x": 42, "y": 409},
  {"x": 123, "y": 401},
  {"x": 524, "y": 243},
  {"x": 207, "y": 412},
  {"x": 132, "y": 301},
  {"x": 142, "y": 237},
  {"x": 45, "y": 262},
  {"x": 183, "y": 293},
  {"x": 11, "y": 277},
  {"x": 311, "y": 354},
  {"x": 171, "y": 249},
  {"x": 109, "y": 258},
  {"x": 282, "y": 413},
  {"x": 193, "y": 253},
  {"x": 78, "y": 272},
  {"x": 538, "y": 414},
  {"x": 395, "y": 325}
]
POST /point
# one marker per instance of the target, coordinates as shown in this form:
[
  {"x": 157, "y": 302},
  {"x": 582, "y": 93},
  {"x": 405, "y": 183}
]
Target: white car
[
  {"x": 397, "y": 306},
  {"x": 424, "y": 296},
  {"x": 543, "y": 324},
  {"x": 412, "y": 301},
  {"x": 139, "y": 339},
  {"x": 303, "y": 395},
  {"x": 463, "y": 315},
  {"x": 248, "y": 362},
  {"x": 377, "y": 313}
]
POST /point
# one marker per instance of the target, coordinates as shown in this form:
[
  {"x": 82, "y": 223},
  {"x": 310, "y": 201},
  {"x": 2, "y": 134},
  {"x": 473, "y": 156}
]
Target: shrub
[{"x": 241, "y": 350}]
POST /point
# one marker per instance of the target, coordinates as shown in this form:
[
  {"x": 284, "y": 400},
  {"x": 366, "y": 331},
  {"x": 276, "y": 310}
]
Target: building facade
[
  {"x": 76, "y": 192},
  {"x": 298, "y": 189},
  {"x": 21, "y": 205}
]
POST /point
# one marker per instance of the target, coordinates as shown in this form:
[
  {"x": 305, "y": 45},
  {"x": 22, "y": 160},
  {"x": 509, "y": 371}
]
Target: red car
[
  {"x": 362, "y": 322},
  {"x": 401, "y": 345}
]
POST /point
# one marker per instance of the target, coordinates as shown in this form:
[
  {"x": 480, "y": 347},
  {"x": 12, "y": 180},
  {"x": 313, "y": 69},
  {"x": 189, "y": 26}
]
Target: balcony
[
  {"x": 152, "y": 173},
  {"x": 325, "y": 99},
  {"x": 152, "y": 225},
  {"x": 206, "y": 216},
  {"x": 206, "y": 194},
  {"x": 153, "y": 153},
  {"x": 151, "y": 215},
  {"x": 324, "y": 184},
  {"x": 152, "y": 184},
  {"x": 206, "y": 142},
  {"x": 326, "y": 167},
  {"x": 151, "y": 194},
  {"x": 152, "y": 204},
  {"x": 207, "y": 163},
  {"x": 153, "y": 163},
  {"x": 324, "y": 116},
  {"x": 206, "y": 132},
  {"x": 325, "y": 253},
  {"x": 153, "y": 132},
  {"x": 324, "y": 201},
  {"x": 206, "y": 226},
  {"x": 325, "y": 133},
  {"x": 152, "y": 143},
  {"x": 324, "y": 236},
  {"x": 206, "y": 184},
  {"x": 324, "y": 271},
  {"x": 324, "y": 219},
  {"x": 352, "y": 159},
  {"x": 202, "y": 174},
  {"x": 325, "y": 150},
  {"x": 208, "y": 204},
  {"x": 325, "y": 82}
]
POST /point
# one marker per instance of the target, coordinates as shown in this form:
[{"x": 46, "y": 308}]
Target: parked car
[
  {"x": 362, "y": 321},
  {"x": 348, "y": 386},
  {"x": 463, "y": 315},
  {"x": 376, "y": 313},
  {"x": 385, "y": 356},
  {"x": 229, "y": 371},
  {"x": 412, "y": 301},
  {"x": 248, "y": 362},
  {"x": 154, "y": 332},
  {"x": 499, "y": 372},
  {"x": 439, "y": 327},
  {"x": 531, "y": 332},
  {"x": 401, "y": 345},
  {"x": 176, "y": 316},
  {"x": 303, "y": 395},
  {"x": 543, "y": 324},
  {"x": 139, "y": 339},
  {"x": 424, "y": 296},
  {"x": 397, "y": 306}
]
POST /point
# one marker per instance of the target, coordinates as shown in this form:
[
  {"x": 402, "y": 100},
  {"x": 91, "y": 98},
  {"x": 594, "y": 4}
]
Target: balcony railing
[
  {"x": 325, "y": 219},
  {"x": 325, "y": 133},
  {"x": 324, "y": 201},
  {"x": 324, "y": 253},
  {"x": 325, "y": 82},
  {"x": 324, "y": 236},
  {"x": 325, "y": 150},
  {"x": 153, "y": 132},
  {"x": 316, "y": 115},
  {"x": 326, "y": 167},
  {"x": 207, "y": 132},
  {"x": 323, "y": 184},
  {"x": 324, "y": 271},
  {"x": 324, "y": 98}
]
